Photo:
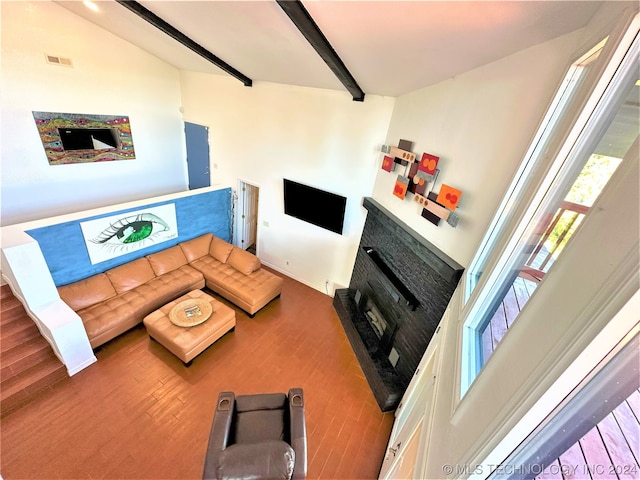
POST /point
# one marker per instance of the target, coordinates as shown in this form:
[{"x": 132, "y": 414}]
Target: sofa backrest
[
  {"x": 86, "y": 292},
  {"x": 197, "y": 247},
  {"x": 167, "y": 260},
  {"x": 220, "y": 250},
  {"x": 102, "y": 286},
  {"x": 130, "y": 275}
]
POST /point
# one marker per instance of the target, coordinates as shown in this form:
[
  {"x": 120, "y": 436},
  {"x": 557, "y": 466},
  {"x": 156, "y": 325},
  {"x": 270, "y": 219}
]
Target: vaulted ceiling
[{"x": 390, "y": 47}]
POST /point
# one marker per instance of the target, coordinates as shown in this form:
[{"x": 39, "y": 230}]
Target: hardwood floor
[
  {"x": 140, "y": 413},
  {"x": 515, "y": 299}
]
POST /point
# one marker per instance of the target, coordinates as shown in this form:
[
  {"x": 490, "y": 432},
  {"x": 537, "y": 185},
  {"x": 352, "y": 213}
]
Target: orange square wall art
[
  {"x": 449, "y": 197},
  {"x": 400, "y": 189}
]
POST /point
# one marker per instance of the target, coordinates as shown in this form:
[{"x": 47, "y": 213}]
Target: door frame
[{"x": 238, "y": 223}]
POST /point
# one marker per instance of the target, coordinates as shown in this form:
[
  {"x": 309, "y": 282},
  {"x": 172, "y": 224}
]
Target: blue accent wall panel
[{"x": 65, "y": 252}]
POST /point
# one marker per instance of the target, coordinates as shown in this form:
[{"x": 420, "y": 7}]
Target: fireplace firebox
[{"x": 400, "y": 287}]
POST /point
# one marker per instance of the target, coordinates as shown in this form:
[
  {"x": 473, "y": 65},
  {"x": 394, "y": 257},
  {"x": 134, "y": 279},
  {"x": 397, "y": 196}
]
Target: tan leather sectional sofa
[{"x": 112, "y": 302}]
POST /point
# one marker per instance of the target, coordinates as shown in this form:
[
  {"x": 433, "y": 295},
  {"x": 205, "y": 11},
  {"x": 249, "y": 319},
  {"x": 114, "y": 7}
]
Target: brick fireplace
[{"x": 400, "y": 287}]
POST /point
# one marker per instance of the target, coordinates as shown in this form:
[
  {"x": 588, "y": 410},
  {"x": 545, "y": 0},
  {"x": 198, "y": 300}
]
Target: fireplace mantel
[
  {"x": 424, "y": 275},
  {"x": 431, "y": 255}
]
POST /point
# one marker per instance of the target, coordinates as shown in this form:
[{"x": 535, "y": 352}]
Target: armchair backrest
[{"x": 270, "y": 424}]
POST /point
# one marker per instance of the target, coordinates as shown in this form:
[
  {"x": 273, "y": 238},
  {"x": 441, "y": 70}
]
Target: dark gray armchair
[{"x": 258, "y": 437}]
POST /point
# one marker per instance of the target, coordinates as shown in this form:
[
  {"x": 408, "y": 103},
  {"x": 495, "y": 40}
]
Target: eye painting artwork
[
  {"x": 130, "y": 230},
  {"x": 111, "y": 237}
]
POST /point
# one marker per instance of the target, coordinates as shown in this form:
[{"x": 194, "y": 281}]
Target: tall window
[
  {"x": 557, "y": 111},
  {"x": 525, "y": 240}
]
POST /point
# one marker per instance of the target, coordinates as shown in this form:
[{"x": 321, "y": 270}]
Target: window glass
[
  {"x": 547, "y": 241},
  {"x": 569, "y": 188},
  {"x": 559, "y": 106}
]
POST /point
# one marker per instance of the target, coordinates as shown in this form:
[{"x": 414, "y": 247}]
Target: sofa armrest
[
  {"x": 220, "y": 432},
  {"x": 243, "y": 261},
  {"x": 298, "y": 432}
]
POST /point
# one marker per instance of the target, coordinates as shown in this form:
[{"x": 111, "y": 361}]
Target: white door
[{"x": 248, "y": 221}]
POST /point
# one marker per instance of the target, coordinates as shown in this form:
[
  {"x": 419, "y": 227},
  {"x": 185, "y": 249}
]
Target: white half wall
[
  {"x": 109, "y": 77},
  {"x": 480, "y": 124},
  {"x": 25, "y": 270},
  {"x": 317, "y": 137}
]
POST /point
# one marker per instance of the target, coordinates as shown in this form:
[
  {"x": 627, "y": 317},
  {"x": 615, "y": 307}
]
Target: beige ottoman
[{"x": 188, "y": 342}]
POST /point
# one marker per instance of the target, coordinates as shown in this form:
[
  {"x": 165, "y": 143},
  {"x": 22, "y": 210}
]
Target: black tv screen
[{"x": 315, "y": 206}]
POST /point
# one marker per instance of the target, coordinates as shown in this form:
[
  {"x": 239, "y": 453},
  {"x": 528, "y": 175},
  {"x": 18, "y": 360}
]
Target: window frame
[
  {"x": 522, "y": 178},
  {"x": 557, "y": 143}
]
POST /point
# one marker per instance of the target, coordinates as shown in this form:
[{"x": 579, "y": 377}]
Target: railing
[{"x": 550, "y": 243}]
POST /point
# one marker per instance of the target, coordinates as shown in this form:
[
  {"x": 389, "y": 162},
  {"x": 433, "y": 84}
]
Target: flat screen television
[{"x": 315, "y": 206}]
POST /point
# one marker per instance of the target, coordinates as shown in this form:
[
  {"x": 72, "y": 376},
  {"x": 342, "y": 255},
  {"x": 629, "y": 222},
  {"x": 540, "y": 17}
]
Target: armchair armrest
[
  {"x": 298, "y": 432},
  {"x": 220, "y": 432}
]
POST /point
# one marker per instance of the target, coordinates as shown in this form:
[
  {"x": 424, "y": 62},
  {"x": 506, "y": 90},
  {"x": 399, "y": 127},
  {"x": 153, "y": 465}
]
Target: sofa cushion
[
  {"x": 171, "y": 285},
  {"x": 219, "y": 249},
  {"x": 167, "y": 260},
  {"x": 130, "y": 275},
  {"x": 249, "y": 292},
  {"x": 108, "y": 319},
  {"x": 116, "y": 315},
  {"x": 87, "y": 292},
  {"x": 243, "y": 261},
  {"x": 197, "y": 247}
]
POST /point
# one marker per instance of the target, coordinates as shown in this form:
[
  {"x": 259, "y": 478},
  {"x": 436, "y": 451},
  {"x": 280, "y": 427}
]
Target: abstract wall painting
[
  {"x": 388, "y": 164},
  {"x": 116, "y": 235},
  {"x": 400, "y": 189},
  {"x": 81, "y": 138},
  {"x": 416, "y": 179},
  {"x": 428, "y": 164},
  {"x": 449, "y": 196},
  {"x": 419, "y": 182}
]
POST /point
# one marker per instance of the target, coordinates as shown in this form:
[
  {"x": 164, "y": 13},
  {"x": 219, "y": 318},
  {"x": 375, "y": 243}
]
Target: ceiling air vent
[{"x": 54, "y": 60}]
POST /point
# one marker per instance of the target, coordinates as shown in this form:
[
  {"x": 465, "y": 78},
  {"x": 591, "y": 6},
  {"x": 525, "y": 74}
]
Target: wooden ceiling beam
[{"x": 176, "y": 34}]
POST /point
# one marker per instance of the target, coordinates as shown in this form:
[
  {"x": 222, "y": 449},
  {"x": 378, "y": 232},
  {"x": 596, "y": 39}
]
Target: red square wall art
[
  {"x": 428, "y": 163},
  {"x": 388, "y": 164}
]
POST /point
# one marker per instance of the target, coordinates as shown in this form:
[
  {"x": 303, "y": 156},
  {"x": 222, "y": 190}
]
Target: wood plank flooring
[
  {"x": 140, "y": 413},
  {"x": 506, "y": 314}
]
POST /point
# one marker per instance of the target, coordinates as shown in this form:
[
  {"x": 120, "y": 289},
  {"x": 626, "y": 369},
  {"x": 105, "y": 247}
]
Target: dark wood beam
[
  {"x": 308, "y": 27},
  {"x": 176, "y": 34}
]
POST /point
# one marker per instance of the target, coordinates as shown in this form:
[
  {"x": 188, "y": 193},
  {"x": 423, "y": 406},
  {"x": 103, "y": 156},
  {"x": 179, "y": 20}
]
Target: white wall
[
  {"x": 109, "y": 76},
  {"x": 480, "y": 125},
  {"x": 318, "y": 137}
]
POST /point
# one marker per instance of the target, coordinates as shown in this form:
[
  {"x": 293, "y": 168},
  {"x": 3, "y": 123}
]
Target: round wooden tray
[{"x": 191, "y": 312}]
